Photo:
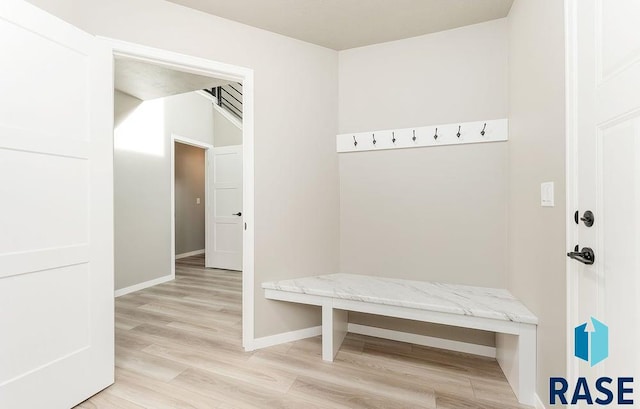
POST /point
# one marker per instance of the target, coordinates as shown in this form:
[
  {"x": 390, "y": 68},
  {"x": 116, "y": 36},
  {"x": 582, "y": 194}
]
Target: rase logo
[{"x": 591, "y": 346}]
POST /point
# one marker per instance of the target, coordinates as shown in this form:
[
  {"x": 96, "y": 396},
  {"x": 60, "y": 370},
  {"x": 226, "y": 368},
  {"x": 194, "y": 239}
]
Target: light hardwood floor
[{"x": 178, "y": 345}]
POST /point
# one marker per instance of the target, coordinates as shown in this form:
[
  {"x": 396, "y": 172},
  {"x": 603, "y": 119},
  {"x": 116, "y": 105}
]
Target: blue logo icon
[{"x": 591, "y": 346}]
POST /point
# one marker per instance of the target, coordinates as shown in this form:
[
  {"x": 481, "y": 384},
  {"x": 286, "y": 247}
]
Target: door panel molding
[
  {"x": 56, "y": 252},
  {"x": 227, "y": 191},
  {"x": 602, "y": 157},
  {"x": 14, "y": 264}
]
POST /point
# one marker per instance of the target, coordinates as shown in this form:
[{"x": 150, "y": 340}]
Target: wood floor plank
[
  {"x": 125, "y": 323},
  {"x": 436, "y": 380},
  {"x": 164, "y": 334},
  {"x": 237, "y": 393},
  {"x": 358, "y": 381},
  {"x": 268, "y": 378},
  {"x": 451, "y": 401},
  {"x": 150, "y": 365},
  {"x": 179, "y": 346},
  {"x": 150, "y": 393},
  {"x": 439, "y": 359},
  {"x": 107, "y": 400},
  {"x": 492, "y": 391},
  {"x": 127, "y": 340},
  {"x": 224, "y": 330},
  {"x": 335, "y": 393}
]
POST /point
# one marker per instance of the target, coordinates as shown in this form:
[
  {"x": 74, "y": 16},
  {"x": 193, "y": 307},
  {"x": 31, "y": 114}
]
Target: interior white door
[
  {"x": 606, "y": 41},
  {"x": 225, "y": 243},
  {"x": 56, "y": 223}
]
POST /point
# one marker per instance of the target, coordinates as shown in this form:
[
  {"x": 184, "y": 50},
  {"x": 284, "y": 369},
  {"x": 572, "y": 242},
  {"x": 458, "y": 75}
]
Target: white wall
[
  {"x": 142, "y": 185},
  {"x": 189, "y": 187},
  {"x": 124, "y": 105},
  {"x": 295, "y": 127},
  {"x": 429, "y": 213},
  {"x": 191, "y": 116},
  {"x": 225, "y": 132},
  {"x": 537, "y": 154},
  {"x": 449, "y": 76}
]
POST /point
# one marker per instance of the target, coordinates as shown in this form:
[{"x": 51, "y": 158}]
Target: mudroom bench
[{"x": 489, "y": 309}]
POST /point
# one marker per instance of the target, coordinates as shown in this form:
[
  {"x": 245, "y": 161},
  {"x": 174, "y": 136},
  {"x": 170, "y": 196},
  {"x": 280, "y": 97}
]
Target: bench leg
[
  {"x": 334, "y": 329},
  {"x": 528, "y": 363},
  {"x": 516, "y": 355}
]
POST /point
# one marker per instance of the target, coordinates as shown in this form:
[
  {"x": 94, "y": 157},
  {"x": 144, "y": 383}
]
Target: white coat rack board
[{"x": 494, "y": 130}]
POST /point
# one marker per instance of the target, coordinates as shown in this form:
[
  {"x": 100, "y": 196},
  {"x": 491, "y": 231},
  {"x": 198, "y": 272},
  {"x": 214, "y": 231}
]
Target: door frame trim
[
  {"x": 202, "y": 66},
  {"x": 208, "y": 152},
  {"x": 571, "y": 124}
]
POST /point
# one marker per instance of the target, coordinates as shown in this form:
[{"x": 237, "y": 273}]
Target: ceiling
[
  {"x": 343, "y": 24},
  {"x": 148, "y": 81}
]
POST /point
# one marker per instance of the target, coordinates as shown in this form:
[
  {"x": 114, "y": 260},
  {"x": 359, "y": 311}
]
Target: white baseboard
[
  {"x": 423, "y": 340},
  {"x": 142, "y": 286},
  {"x": 539, "y": 404},
  {"x": 285, "y": 337},
  {"x": 189, "y": 254}
]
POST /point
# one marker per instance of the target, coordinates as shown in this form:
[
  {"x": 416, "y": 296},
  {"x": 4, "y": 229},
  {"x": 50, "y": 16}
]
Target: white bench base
[
  {"x": 334, "y": 329},
  {"x": 516, "y": 348}
]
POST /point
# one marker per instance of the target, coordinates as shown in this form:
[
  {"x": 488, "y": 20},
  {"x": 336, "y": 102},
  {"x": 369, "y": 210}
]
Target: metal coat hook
[{"x": 480, "y": 131}]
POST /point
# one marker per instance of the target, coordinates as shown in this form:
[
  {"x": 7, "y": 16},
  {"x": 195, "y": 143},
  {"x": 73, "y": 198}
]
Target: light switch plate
[
  {"x": 197, "y": 200},
  {"x": 546, "y": 194}
]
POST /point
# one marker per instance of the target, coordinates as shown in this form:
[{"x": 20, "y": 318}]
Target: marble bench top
[{"x": 483, "y": 302}]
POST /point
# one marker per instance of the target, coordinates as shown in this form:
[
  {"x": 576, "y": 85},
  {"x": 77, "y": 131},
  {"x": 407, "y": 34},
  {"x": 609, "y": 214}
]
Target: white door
[
  {"x": 605, "y": 41},
  {"x": 56, "y": 223},
  {"x": 225, "y": 243}
]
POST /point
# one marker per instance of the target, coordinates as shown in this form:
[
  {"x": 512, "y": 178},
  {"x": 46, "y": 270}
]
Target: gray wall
[
  {"x": 142, "y": 185},
  {"x": 296, "y": 96},
  {"x": 537, "y": 154},
  {"x": 189, "y": 186},
  {"x": 431, "y": 213},
  {"x": 226, "y": 133}
]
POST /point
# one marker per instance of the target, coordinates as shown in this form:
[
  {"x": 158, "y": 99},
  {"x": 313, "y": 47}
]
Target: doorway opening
[
  {"x": 173, "y": 74},
  {"x": 206, "y": 198},
  {"x": 189, "y": 199}
]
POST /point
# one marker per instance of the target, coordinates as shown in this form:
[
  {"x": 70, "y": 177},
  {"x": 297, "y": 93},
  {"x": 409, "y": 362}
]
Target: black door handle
[
  {"x": 588, "y": 218},
  {"x": 238, "y": 214},
  {"x": 586, "y": 256}
]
